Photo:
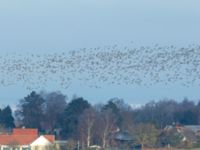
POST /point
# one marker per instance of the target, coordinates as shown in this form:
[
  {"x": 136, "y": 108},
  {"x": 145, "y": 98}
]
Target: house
[
  {"x": 25, "y": 139},
  {"x": 186, "y": 133},
  {"x": 124, "y": 140},
  {"x": 194, "y": 128}
]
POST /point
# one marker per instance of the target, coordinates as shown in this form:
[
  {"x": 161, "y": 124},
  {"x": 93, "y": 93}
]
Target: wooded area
[{"x": 78, "y": 120}]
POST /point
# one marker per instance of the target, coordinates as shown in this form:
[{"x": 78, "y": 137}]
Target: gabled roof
[
  {"x": 23, "y": 137},
  {"x": 17, "y": 139},
  {"x": 40, "y": 141},
  {"x": 50, "y": 138},
  {"x": 24, "y": 131}
]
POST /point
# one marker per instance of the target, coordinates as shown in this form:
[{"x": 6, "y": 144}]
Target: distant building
[
  {"x": 188, "y": 132},
  {"x": 194, "y": 128},
  {"x": 25, "y": 139},
  {"x": 124, "y": 140}
]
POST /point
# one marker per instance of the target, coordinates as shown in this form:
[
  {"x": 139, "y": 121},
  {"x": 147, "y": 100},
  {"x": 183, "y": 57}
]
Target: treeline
[
  {"x": 168, "y": 112},
  {"x": 78, "y": 120}
]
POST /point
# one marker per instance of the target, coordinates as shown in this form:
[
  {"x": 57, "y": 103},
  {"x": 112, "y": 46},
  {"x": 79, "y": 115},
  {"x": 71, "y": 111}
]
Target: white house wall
[{"x": 41, "y": 141}]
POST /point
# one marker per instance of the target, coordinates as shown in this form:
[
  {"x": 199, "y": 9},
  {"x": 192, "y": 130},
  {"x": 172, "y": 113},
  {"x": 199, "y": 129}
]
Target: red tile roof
[
  {"x": 50, "y": 138},
  {"x": 22, "y": 137},
  {"x": 19, "y": 131},
  {"x": 17, "y": 139}
]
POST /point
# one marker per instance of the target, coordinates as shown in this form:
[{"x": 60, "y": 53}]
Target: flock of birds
[{"x": 95, "y": 67}]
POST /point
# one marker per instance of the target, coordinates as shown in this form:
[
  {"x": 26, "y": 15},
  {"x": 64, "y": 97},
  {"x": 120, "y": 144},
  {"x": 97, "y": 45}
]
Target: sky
[{"x": 55, "y": 26}]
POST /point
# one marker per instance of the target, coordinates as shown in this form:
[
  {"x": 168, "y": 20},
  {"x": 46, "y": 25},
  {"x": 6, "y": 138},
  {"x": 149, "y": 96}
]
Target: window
[
  {"x": 6, "y": 148},
  {"x": 26, "y": 148}
]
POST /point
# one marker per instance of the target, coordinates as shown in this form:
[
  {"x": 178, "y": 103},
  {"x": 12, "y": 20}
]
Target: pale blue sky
[{"x": 45, "y": 26}]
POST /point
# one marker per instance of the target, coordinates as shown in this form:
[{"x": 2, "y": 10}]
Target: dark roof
[{"x": 122, "y": 136}]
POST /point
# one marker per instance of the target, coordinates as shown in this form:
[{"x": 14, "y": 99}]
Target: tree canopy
[
  {"x": 6, "y": 118},
  {"x": 78, "y": 120}
]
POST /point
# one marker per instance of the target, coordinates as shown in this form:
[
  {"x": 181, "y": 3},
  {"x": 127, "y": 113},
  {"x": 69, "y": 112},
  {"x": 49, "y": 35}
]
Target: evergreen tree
[
  {"x": 30, "y": 111},
  {"x": 6, "y": 118},
  {"x": 70, "y": 117}
]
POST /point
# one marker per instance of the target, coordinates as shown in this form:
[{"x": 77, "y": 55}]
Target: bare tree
[
  {"x": 105, "y": 125},
  {"x": 55, "y": 103},
  {"x": 146, "y": 134},
  {"x": 71, "y": 144},
  {"x": 127, "y": 121},
  {"x": 86, "y": 124}
]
